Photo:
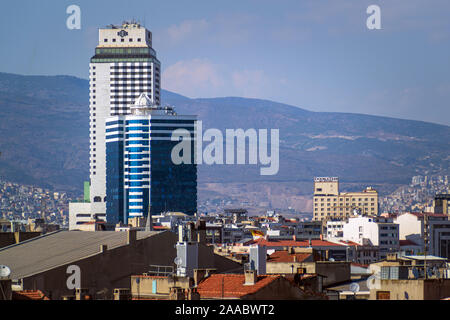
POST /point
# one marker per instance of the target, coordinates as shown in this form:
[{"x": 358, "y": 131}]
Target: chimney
[
  {"x": 131, "y": 237},
  {"x": 193, "y": 294},
  {"x": 122, "y": 294},
  {"x": 103, "y": 248},
  {"x": 82, "y": 294},
  {"x": 294, "y": 237},
  {"x": 250, "y": 277},
  {"x": 176, "y": 293},
  {"x": 200, "y": 274}
]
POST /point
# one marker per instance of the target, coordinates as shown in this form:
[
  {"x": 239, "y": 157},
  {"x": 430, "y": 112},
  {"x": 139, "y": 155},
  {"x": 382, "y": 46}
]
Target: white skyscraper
[{"x": 123, "y": 67}]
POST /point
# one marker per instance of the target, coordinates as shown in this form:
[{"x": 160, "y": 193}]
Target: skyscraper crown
[{"x": 143, "y": 101}]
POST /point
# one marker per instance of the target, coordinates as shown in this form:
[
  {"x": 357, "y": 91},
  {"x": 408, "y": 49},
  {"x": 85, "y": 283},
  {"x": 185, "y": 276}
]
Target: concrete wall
[
  {"x": 335, "y": 272},
  {"x": 432, "y": 289},
  {"x": 144, "y": 286},
  {"x": 409, "y": 225}
]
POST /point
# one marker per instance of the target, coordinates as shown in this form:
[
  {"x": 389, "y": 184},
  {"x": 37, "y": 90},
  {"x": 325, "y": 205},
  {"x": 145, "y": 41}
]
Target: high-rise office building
[
  {"x": 124, "y": 66},
  {"x": 141, "y": 176},
  {"x": 329, "y": 203}
]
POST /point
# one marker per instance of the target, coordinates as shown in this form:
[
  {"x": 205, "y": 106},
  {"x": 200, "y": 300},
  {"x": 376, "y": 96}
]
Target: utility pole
[{"x": 425, "y": 239}]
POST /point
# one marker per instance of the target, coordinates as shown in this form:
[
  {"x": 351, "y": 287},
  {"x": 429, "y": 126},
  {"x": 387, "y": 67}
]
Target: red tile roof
[
  {"x": 284, "y": 256},
  {"x": 29, "y": 295},
  {"x": 430, "y": 214},
  {"x": 407, "y": 243},
  {"x": 294, "y": 243},
  {"x": 231, "y": 285},
  {"x": 359, "y": 265},
  {"x": 160, "y": 228},
  {"x": 350, "y": 243}
]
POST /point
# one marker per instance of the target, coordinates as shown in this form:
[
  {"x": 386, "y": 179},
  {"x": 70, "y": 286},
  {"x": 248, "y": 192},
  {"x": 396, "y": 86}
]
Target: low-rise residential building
[
  {"x": 412, "y": 227},
  {"x": 307, "y": 261},
  {"x": 377, "y": 231},
  {"x": 411, "y": 289}
]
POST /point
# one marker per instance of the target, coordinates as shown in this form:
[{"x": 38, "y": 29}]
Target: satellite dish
[
  {"x": 415, "y": 273},
  {"x": 354, "y": 287},
  {"x": 4, "y": 271},
  {"x": 331, "y": 259},
  {"x": 177, "y": 261}
]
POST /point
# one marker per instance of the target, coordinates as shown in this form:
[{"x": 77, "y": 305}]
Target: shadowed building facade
[{"x": 141, "y": 176}]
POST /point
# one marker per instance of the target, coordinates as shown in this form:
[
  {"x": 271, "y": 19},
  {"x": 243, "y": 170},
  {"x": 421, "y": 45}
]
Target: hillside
[{"x": 44, "y": 129}]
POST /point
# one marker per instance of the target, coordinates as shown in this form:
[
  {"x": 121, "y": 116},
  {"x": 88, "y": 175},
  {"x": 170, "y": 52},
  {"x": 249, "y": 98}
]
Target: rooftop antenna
[{"x": 425, "y": 239}]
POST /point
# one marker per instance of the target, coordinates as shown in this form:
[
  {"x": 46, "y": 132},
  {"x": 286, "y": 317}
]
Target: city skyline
[{"x": 181, "y": 200}]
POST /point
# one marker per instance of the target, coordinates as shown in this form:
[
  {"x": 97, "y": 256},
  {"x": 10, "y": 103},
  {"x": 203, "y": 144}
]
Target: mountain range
[{"x": 44, "y": 141}]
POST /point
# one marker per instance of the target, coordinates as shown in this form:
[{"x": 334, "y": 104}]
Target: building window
[
  {"x": 139, "y": 39},
  {"x": 131, "y": 40},
  {"x": 114, "y": 40},
  {"x": 106, "y": 40}
]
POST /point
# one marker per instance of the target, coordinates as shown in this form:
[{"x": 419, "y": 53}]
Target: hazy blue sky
[{"x": 318, "y": 55}]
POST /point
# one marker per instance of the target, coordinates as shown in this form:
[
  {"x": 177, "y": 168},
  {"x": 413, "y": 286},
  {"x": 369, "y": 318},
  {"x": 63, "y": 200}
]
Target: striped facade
[
  {"x": 139, "y": 169},
  {"x": 124, "y": 66}
]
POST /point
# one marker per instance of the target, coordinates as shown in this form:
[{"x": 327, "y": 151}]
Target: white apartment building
[
  {"x": 376, "y": 231},
  {"x": 412, "y": 228},
  {"x": 335, "y": 230}
]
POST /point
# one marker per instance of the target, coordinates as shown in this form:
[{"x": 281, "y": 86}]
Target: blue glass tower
[{"x": 140, "y": 174}]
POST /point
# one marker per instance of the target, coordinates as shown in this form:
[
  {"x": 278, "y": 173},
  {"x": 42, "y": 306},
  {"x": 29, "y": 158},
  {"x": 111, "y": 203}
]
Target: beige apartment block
[{"x": 329, "y": 203}]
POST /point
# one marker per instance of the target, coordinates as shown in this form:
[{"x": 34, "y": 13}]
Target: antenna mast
[{"x": 425, "y": 239}]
